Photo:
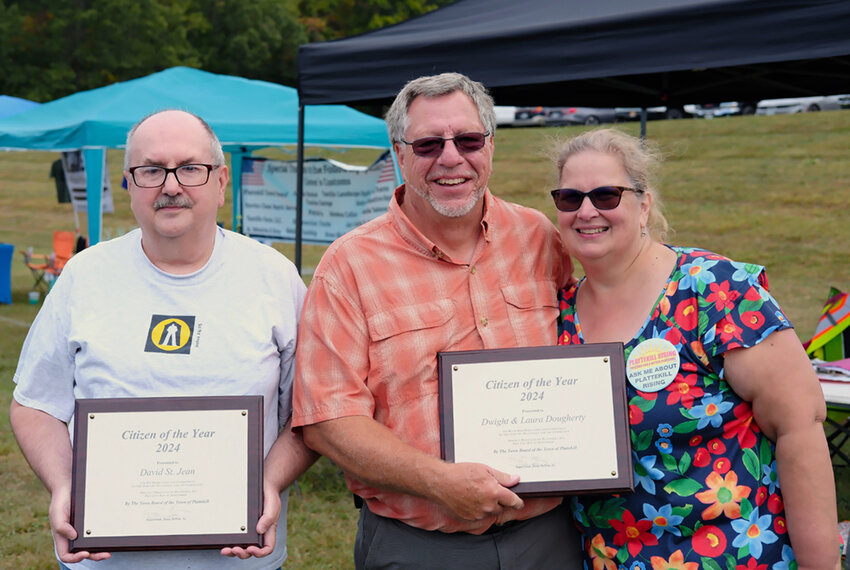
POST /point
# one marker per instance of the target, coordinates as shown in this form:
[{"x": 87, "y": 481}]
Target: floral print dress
[{"x": 706, "y": 489}]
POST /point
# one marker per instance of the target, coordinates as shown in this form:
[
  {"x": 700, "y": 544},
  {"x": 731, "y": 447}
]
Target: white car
[
  {"x": 505, "y": 115},
  {"x": 800, "y": 104},
  {"x": 725, "y": 109},
  {"x": 652, "y": 113},
  {"x": 509, "y": 116}
]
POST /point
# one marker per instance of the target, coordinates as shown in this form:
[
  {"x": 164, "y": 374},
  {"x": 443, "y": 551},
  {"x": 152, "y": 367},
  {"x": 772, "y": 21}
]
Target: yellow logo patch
[{"x": 170, "y": 334}]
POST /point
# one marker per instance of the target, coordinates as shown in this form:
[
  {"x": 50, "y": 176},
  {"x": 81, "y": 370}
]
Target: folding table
[{"x": 837, "y": 396}]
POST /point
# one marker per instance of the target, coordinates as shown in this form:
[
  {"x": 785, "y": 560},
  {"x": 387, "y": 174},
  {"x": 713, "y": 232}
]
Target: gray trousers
[{"x": 547, "y": 542}]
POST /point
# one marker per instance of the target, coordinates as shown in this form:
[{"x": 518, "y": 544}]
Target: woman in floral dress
[{"x": 731, "y": 466}]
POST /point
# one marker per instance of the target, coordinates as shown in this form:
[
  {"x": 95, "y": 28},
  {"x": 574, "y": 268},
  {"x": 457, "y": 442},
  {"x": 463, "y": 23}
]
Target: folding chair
[{"x": 46, "y": 268}]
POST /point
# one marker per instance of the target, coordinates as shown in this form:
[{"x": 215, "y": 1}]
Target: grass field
[{"x": 770, "y": 190}]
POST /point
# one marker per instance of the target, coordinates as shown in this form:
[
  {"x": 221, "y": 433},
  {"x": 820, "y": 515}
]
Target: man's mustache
[{"x": 172, "y": 202}]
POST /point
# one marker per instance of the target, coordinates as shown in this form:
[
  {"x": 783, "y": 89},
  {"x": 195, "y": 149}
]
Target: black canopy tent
[{"x": 606, "y": 53}]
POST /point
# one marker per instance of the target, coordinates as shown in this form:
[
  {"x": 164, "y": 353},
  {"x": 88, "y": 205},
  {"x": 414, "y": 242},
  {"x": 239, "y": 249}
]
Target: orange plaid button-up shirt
[{"x": 385, "y": 300}]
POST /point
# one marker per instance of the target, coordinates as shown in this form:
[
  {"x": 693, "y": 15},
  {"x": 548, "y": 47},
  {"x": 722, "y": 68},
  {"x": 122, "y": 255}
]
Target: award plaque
[
  {"x": 167, "y": 473},
  {"x": 554, "y": 415}
]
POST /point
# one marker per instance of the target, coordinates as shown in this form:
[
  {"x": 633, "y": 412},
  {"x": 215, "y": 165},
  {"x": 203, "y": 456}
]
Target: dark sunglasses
[
  {"x": 431, "y": 147},
  {"x": 602, "y": 198}
]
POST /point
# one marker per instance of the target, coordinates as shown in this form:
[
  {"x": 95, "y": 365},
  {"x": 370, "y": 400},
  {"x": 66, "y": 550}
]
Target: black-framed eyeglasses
[
  {"x": 151, "y": 176},
  {"x": 431, "y": 147},
  {"x": 602, "y": 198}
]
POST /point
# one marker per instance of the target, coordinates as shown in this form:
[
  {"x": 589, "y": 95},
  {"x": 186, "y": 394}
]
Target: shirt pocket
[
  {"x": 532, "y": 308},
  {"x": 403, "y": 349}
]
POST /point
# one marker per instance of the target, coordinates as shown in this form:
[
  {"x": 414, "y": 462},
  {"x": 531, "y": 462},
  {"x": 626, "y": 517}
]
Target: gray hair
[
  {"x": 215, "y": 146},
  {"x": 437, "y": 86},
  {"x": 640, "y": 160}
]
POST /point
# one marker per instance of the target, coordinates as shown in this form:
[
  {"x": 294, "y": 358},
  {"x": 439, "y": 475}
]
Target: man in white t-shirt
[{"x": 103, "y": 332}]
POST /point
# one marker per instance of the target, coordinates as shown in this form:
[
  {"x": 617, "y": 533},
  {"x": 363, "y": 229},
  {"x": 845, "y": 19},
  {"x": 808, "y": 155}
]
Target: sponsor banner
[{"x": 337, "y": 197}]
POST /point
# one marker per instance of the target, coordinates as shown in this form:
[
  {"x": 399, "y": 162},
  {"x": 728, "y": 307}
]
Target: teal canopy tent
[
  {"x": 245, "y": 114},
  {"x": 14, "y": 105}
]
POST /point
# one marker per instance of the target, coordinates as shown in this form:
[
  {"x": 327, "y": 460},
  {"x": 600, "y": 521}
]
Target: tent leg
[
  {"x": 236, "y": 185},
  {"x": 94, "y": 160},
  {"x": 299, "y": 188}
]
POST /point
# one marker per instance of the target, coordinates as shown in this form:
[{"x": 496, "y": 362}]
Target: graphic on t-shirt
[
  {"x": 170, "y": 334},
  {"x": 653, "y": 365}
]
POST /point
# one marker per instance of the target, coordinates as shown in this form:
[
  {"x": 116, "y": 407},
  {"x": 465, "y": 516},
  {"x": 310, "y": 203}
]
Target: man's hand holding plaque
[
  {"x": 556, "y": 416},
  {"x": 167, "y": 473}
]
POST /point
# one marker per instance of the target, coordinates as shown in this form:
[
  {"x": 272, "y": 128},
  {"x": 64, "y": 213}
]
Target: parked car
[
  {"x": 579, "y": 115},
  {"x": 792, "y": 105},
  {"x": 711, "y": 110},
  {"x": 652, "y": 113},
  {"x": 530, "y": 116},
  {"x": 505, "y": 116}
]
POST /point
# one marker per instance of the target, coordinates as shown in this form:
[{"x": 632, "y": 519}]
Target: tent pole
[
  {"x": 94, "y": 159},
  {"x": 299, "y": 186},
  {"x": 236, "y": 185}
]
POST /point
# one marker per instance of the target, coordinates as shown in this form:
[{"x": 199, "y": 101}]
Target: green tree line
[{"x": 52, "y": 48}]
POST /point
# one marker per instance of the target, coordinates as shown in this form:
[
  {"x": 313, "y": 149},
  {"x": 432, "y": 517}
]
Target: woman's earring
[{"x": 642, "y": 231}]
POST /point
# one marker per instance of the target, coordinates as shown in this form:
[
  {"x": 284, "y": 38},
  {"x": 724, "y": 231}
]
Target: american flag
[
  {"x": 252, "y": 172},
  {"x": 387, "y": 172}
]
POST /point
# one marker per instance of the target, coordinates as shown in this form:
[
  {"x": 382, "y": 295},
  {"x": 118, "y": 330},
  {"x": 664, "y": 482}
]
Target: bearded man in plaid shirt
[{"x": 448, "y": 267}]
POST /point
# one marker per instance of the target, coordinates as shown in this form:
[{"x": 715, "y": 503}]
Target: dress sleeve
[{"x": 740, "y": 310}]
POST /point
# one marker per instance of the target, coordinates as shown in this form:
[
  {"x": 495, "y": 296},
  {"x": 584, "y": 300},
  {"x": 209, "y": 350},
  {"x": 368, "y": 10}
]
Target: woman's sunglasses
[
  {"x": 602, "y": 198},
  {"x": 431, "y": 147}
]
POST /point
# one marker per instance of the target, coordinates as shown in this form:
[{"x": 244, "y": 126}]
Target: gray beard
[{"x": 451, "y": 211}]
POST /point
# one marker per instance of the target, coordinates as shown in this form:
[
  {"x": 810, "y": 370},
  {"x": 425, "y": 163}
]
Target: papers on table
[{"x": 836, "y": 371}]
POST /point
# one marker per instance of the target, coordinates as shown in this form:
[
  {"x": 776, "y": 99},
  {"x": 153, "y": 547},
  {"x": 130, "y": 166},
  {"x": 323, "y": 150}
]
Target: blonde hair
[{"x": 640, "y": 161}]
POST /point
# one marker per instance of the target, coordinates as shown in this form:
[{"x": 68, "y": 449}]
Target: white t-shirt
[{"x": 97, "y": 337}]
